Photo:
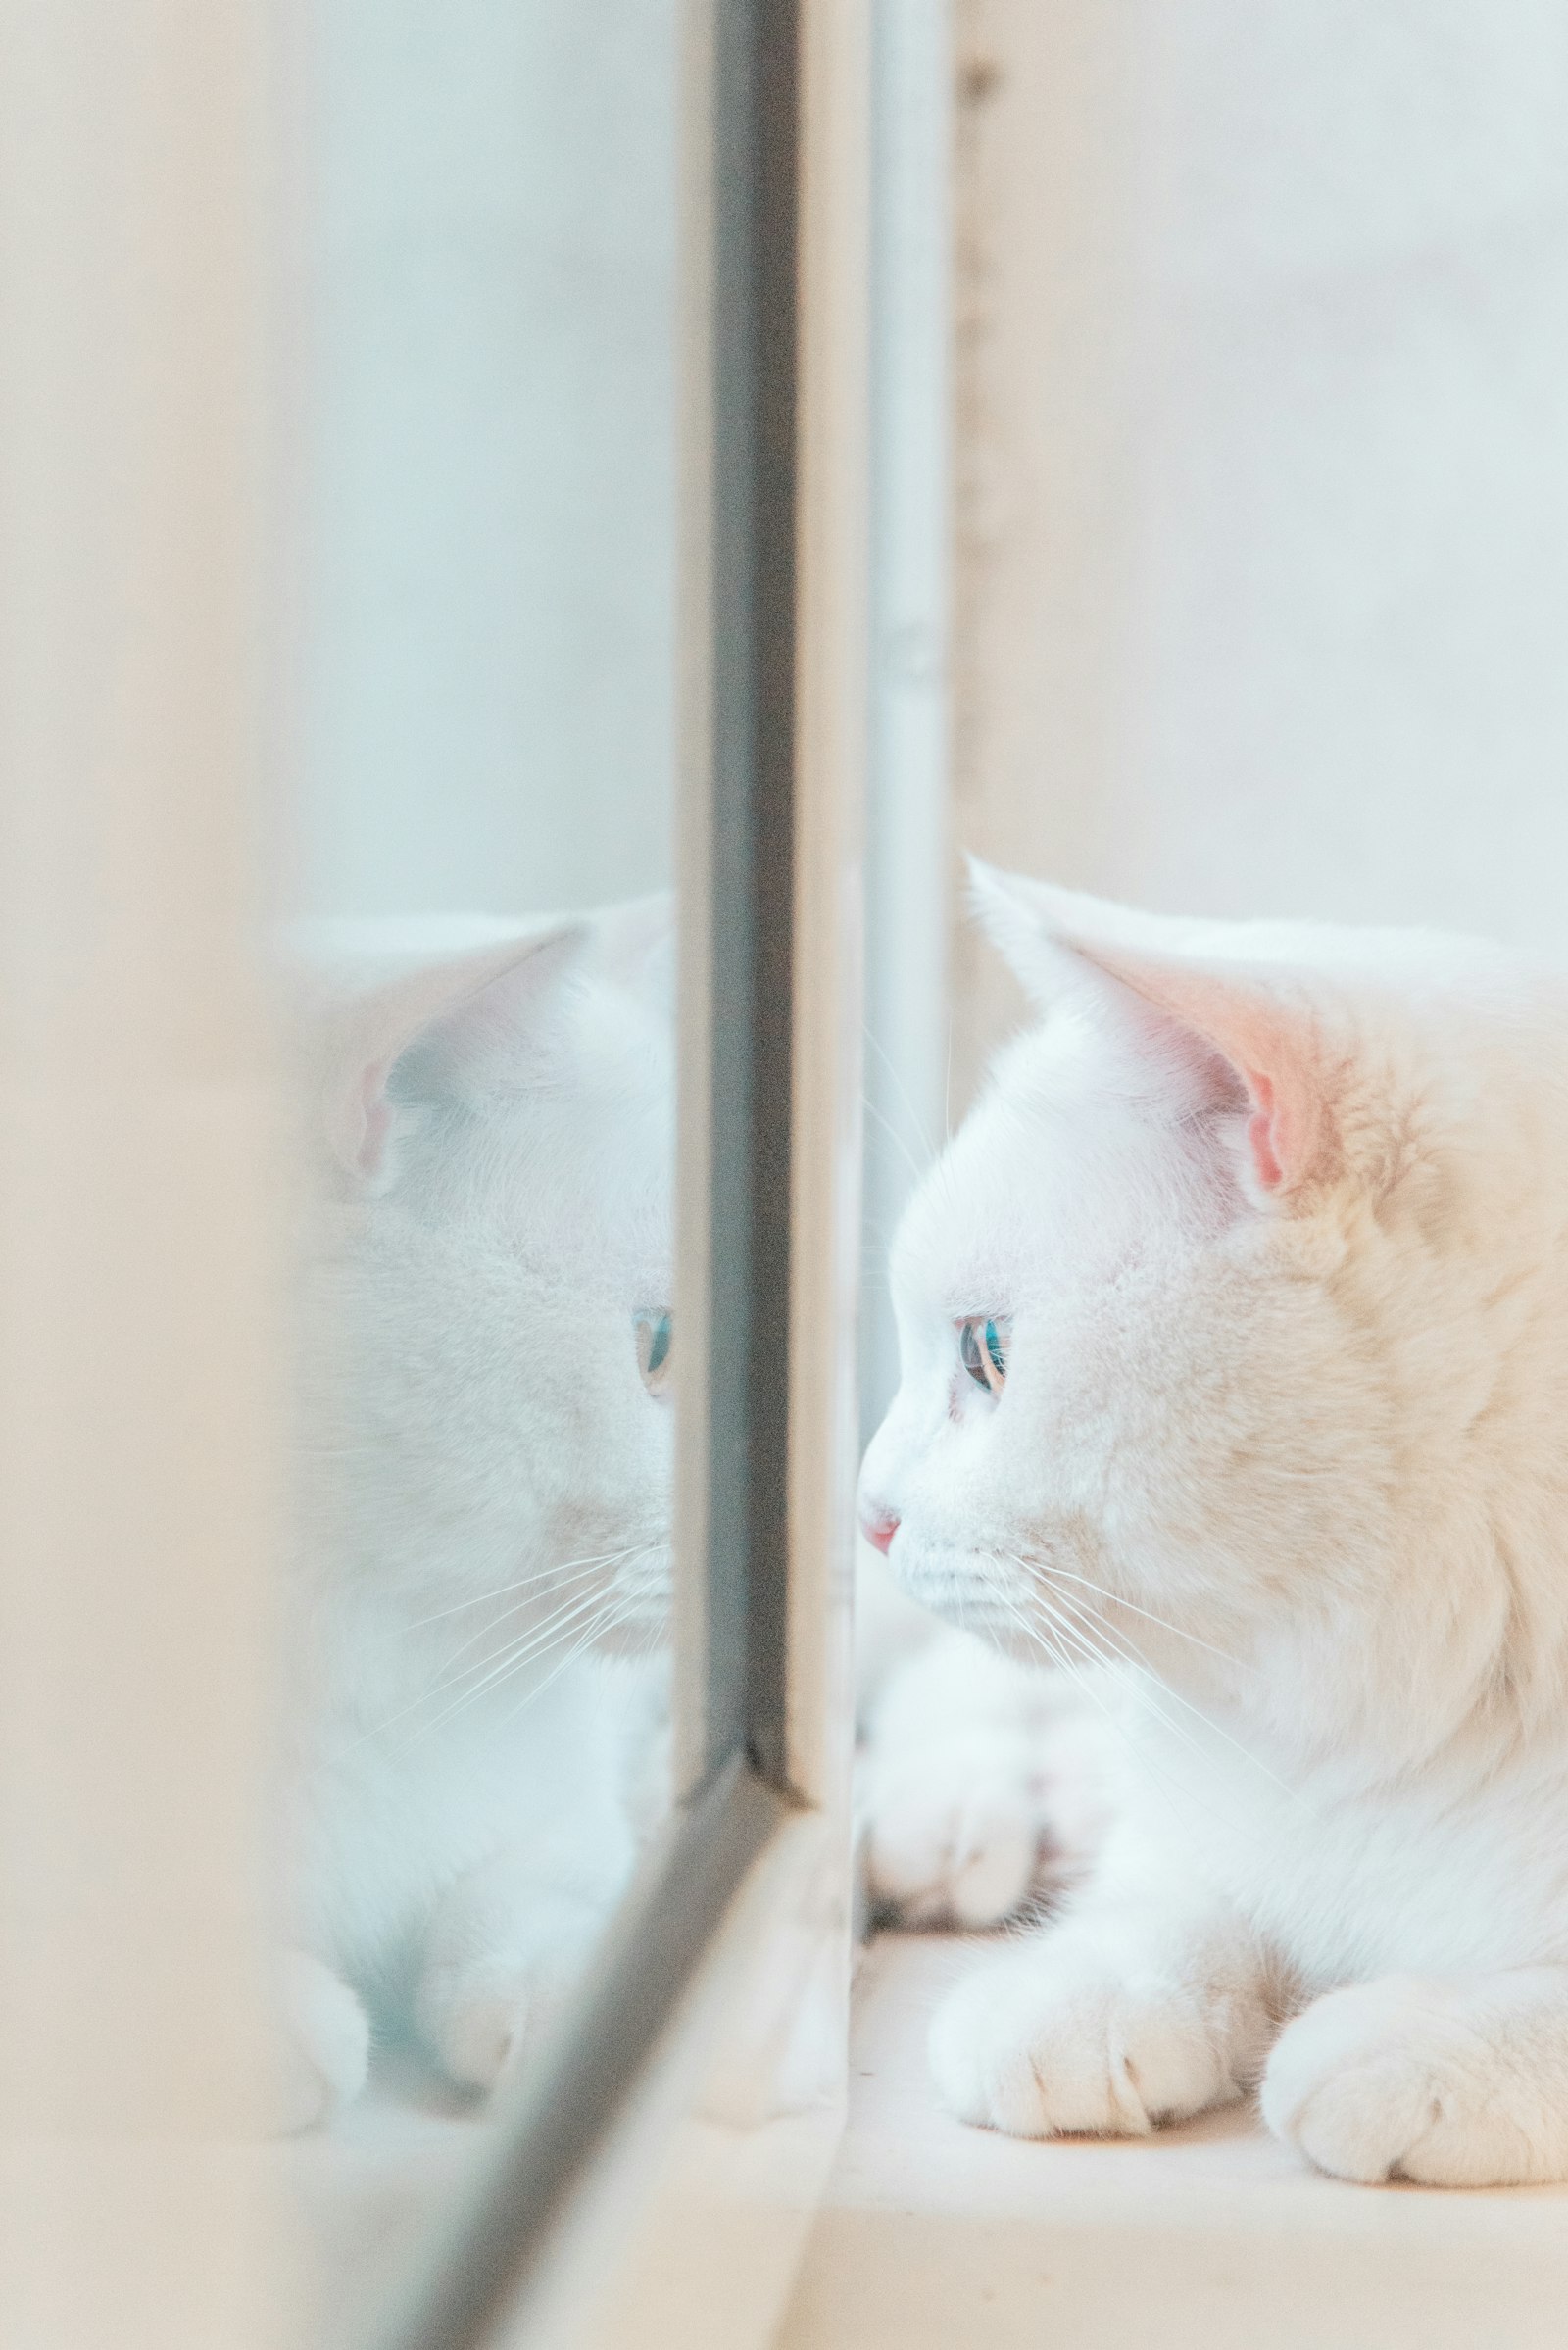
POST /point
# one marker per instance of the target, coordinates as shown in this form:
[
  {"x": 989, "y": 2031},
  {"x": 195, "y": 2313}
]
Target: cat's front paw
[
  {"x": 325, "y": 2050},
  {"x": 1392, "y": 2079},
  {"x": 995, "y": 1802},
  {"x": 504, "y": 1956},
  {"x": 477, "y": 2029},
  {"x": 955, "y": 1835},
  {"x": 476, "y": 2016},
  {"x": 1052, "y": 2041}
]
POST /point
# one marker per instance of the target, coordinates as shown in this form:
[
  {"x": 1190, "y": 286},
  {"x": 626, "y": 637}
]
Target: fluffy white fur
[
  {"x": 1280, "y": 1216},
  {"x": 485, "y": 1487},
  {"x": 980, "y": 1786}
]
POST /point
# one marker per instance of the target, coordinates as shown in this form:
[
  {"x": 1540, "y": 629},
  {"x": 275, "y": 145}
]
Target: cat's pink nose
[{"x": 878, "y": 1530}]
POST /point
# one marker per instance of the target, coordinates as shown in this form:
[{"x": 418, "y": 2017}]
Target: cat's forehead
[
  {"x": 1006, "y": 1182},
  {"x": 610, "y": 1040},
  {"x": 584, "y": 1246},
  {"x": 572, "y": 1166},
  {"x": 599, "y": 1092}
]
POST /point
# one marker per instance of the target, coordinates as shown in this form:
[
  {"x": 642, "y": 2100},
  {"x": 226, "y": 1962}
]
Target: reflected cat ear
[
  {"x": 1188, "y": 988},
  {"x": 634, "y": 948},
  {"x": 447, "y": 1029}
]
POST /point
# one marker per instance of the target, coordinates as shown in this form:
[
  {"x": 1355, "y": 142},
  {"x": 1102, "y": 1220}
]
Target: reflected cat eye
[
  {"x": 983, "y": 1344},
  {"x": 656, "y": 1330}
]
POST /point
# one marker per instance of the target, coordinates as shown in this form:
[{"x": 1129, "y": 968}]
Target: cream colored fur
[{"x": 1280, "y": 1216}]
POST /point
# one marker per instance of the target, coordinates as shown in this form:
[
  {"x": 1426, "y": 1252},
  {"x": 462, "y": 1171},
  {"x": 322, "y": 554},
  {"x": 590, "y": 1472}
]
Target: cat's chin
[
  {"x": 969, "y": 1605},
  {"x": 1003, "y": 1632},
  {"x": 643, "y": 1634}
]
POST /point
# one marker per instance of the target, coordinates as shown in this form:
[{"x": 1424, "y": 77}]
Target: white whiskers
[
  {"x": 602, "y": 1558},
  {"x": 1071, "y": 1617},
  {"x": 580, "y": 1618}
]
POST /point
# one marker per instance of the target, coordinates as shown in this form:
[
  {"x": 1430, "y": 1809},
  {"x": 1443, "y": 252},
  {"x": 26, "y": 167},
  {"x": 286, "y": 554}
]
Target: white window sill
[{"x": 935, "y": 2236}]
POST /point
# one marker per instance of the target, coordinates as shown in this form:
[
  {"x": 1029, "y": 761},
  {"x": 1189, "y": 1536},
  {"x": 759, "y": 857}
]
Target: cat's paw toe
[
  {"x": 325, "y": 2051},
  {"x": 955, "y": 1838},
  {"x": 1387, "y": 2080},
  {"x": 1054, "y": 2045},
  {"x": 478, "y": 2033}
]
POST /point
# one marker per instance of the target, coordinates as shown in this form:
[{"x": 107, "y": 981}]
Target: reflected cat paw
[
  {"x": 478, "y": 2034},
  {"x": 325, "y": 2050}
]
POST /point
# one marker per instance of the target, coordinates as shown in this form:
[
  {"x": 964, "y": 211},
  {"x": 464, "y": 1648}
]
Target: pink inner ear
[
  {"x": 1272, "y": 1055},
  {"x": 1269, "y": 1052},
  {"x": 467, "y": 1007},
  {"x": 1262, "y": 1030},
  {"x": 1265, "y": 1133}
]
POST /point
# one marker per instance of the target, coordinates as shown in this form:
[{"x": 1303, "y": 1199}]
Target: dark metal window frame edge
[{"x": 658, "y": 1939}]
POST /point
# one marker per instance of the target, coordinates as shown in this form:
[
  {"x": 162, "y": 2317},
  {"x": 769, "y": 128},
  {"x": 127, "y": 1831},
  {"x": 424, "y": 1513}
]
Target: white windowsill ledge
[{"x": 935, "y": 2236}]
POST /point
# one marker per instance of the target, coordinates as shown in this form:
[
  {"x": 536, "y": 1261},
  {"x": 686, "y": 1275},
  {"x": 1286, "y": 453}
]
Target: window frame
[{"x": 770, "y": 789}]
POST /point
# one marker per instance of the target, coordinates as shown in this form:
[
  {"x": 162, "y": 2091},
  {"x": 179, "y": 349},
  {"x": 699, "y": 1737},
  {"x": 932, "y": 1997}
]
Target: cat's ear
[
  {"x": 450, "y": 1029},
  {"x": 1177, "y": 987},
  {"x": 634, "y": 948}
]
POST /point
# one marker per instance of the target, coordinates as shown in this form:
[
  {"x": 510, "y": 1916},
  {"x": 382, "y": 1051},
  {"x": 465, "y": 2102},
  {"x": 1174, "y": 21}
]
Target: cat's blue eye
[
  {"x": 983, "y": 1344},
  {"x": 656, "y": 1331}
]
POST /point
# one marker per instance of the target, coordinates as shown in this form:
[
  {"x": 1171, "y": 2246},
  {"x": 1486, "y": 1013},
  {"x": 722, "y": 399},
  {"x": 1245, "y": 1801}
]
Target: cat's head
[
  {"x": 488, "y": 1337},
  {"x": 1238, "y": 1300}
]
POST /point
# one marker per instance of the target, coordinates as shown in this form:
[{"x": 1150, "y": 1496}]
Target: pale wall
[{"x": 1262, "y": 502}]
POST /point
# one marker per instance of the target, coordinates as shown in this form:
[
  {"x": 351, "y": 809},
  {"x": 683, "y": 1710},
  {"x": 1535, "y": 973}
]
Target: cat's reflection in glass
[{"x": 480, "y": 1592}]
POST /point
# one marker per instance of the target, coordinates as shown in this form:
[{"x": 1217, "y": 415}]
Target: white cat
[
  {"x": 1235, "y": 1337},
  {"x": 485, "y": 1431}
]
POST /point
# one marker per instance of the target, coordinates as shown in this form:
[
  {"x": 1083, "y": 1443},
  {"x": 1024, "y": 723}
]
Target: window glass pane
[{"x": 480, "y": 971}]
